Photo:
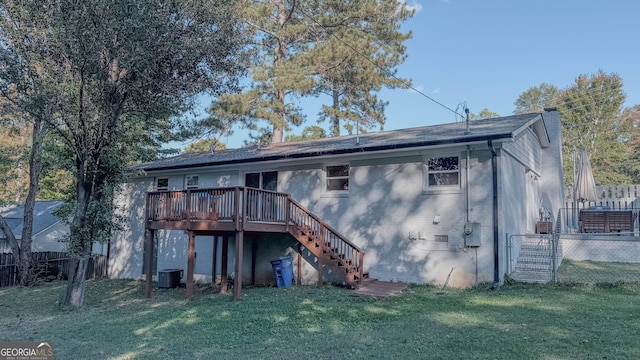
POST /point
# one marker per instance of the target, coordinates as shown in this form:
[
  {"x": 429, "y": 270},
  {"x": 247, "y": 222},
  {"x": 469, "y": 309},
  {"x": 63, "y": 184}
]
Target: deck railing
[{"x": 192, "y": 204}]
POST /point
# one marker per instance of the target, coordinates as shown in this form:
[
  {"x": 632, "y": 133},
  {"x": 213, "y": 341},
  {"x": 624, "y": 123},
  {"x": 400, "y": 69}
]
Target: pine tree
[
  {"x": 356, "y": 53},
  {"x": 348, "y": 50}
]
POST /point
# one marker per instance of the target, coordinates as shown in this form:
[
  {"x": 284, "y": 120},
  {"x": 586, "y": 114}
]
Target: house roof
[
  {"x": 479, "y": 130},
  {"x": 43, "y": 217}
]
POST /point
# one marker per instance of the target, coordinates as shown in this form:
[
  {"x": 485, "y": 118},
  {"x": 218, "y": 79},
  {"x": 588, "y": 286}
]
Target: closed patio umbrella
[{"x": 585, "y": 187}]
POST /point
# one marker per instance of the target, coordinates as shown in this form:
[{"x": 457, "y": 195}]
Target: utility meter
[
  {"x": 472, "y": 234},
  {"x": 468, "y": 228}
]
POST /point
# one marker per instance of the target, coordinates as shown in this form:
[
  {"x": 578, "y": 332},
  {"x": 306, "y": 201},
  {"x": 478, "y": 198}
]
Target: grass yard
[
  {"x": 515, "y": 322},
  {"x": 572, "y": 271}
]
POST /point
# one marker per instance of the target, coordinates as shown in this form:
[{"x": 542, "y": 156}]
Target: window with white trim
[
  {"x": 162, "y": 184},
  {"x": 337, "y": 178},
  {"x": 192, "y": 181},
  {"x": 443, "y": 172}
]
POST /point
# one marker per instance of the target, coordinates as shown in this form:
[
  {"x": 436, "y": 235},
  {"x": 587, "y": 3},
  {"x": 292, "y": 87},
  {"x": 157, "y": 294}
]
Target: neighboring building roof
[
  {"x": 43, "y": 217},
  {"x": 479, "y": 130}
]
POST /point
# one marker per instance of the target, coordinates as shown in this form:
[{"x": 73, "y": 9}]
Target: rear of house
[{"x": 429, "y": 205}]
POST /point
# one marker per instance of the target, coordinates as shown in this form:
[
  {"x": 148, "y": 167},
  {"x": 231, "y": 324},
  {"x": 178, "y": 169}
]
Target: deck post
[
  {"x": 360, "y": 267},
  {"x": 149, "y": 268},
  {"x": 321, "y": 255},
  {"x": 214, "y": 260},
  {"x": 237, "y": 281},
  {"x": 223, "y": 267},
  {"x": 236, "y": 208},
  {"x": 187, "y": 209},
  {"x": 287, "y": 213},
  {"x": 190, "y": 265},
  {"x": 254, "y": 250},
  {"x": 299, "y": 274}
]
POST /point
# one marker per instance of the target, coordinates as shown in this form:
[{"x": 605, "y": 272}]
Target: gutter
[{"x": 496, "y": 258}]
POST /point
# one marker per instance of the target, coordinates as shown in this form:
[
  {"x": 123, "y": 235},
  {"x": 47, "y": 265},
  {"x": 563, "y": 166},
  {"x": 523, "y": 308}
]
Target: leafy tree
[
  {"x": 537, "y": 98},
  {"x": 590, "y": 111},
  {"x": 630, "y": 137},
  {"x": 14, "y": 158},
  {"x": 308, "y": 133},
  {"x": 122, "y": 71},
  {"x": 484, "y": 114},
  {"x": 29, "y": 94},
  {"x": 356, "y": 52}
]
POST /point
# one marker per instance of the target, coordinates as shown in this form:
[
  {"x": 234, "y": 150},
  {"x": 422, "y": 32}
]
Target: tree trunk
[
  {"x": 278, "y": 61},
  {"x": 78, "y": 249},
  {"x": 22, "y": 249},
  {"x": 77, "y": 283},
  {"x": 335, "y": 118}
]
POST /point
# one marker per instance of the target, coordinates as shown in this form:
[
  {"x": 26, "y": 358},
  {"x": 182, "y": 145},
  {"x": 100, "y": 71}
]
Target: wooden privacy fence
[
  {"x": 613, "y": 196},
  {"x": 50, "y": 265}
]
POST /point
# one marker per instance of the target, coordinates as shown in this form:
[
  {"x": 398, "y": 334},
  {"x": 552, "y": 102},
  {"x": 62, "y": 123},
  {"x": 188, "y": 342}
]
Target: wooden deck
[{"x": 234, "y": 211}]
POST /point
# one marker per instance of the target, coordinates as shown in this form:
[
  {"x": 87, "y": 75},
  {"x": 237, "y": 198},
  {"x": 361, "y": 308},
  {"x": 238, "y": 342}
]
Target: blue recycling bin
[{"x": 283, "y": 271}]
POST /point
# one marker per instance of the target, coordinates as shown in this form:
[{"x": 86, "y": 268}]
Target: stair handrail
[
  {"x": 327, "y": 226},
  {"x": 357, "y": 254}
]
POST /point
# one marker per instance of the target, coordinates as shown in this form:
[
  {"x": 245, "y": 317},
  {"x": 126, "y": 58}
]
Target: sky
[{"x": 485, "y": 53}]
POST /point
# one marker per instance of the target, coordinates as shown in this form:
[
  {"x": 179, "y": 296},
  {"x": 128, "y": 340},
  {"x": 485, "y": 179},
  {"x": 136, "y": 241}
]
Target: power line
[{"x": 387, "y": 72}]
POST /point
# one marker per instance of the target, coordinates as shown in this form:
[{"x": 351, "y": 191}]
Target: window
[
  {"x": 162, "y": 184},
  {"x": 192, "y": 181},
  {"x": 267, "y": 180},
  {"x": 443, "y": 172},
  {"x": 338, "y": 178}
]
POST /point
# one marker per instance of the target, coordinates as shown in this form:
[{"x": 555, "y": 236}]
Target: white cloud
[{"x": 435, "y": 91}]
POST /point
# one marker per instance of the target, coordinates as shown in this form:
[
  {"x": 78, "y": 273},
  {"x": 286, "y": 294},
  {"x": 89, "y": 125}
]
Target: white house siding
[
  {"x": 125, "y": 260},
  {"x": 525, "y": 148},
  {"x": 551, "y": 181},
  {"x": 388, "y": 214}
]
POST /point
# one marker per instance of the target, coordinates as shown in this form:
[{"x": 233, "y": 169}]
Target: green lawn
[
  {"x": 515, "y": 322},
  {"x": 571, "y": 271}
]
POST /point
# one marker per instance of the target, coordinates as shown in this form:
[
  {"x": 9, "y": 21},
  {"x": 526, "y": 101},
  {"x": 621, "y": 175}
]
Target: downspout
[
  {"x": 466, "y": 181},
  {"x": 496, "y": 259},
  {"x": 468, "y": 202}
]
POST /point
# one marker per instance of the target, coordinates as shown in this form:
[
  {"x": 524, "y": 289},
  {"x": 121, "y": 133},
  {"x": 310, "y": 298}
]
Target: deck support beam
[
  {"x": 214, "y": 260},
  {"x": 321, "y": 255},
  {"x": 191, "y": 261},
  {"x": 149, "y": 264},
  {"x": 254, "y": 251},
  {"x": 237, "y": 281},
  {"x": 224, "y": 271},
  {"x": 299, "y": 273}
]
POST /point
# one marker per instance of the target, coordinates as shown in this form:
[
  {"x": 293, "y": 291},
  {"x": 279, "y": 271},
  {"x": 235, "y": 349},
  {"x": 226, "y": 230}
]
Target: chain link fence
[
  {"x": 574, "y": 258},
  {"x": 602, "y": 258}
]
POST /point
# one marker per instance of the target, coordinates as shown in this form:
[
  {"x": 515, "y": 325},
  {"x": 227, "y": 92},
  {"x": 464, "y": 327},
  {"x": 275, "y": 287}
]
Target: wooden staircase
[{"x": 330, "y": 247}]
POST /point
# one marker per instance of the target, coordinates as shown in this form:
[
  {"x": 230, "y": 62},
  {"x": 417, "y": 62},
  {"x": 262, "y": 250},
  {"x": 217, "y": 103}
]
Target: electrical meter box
[{"x": 472, "y": 234}]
